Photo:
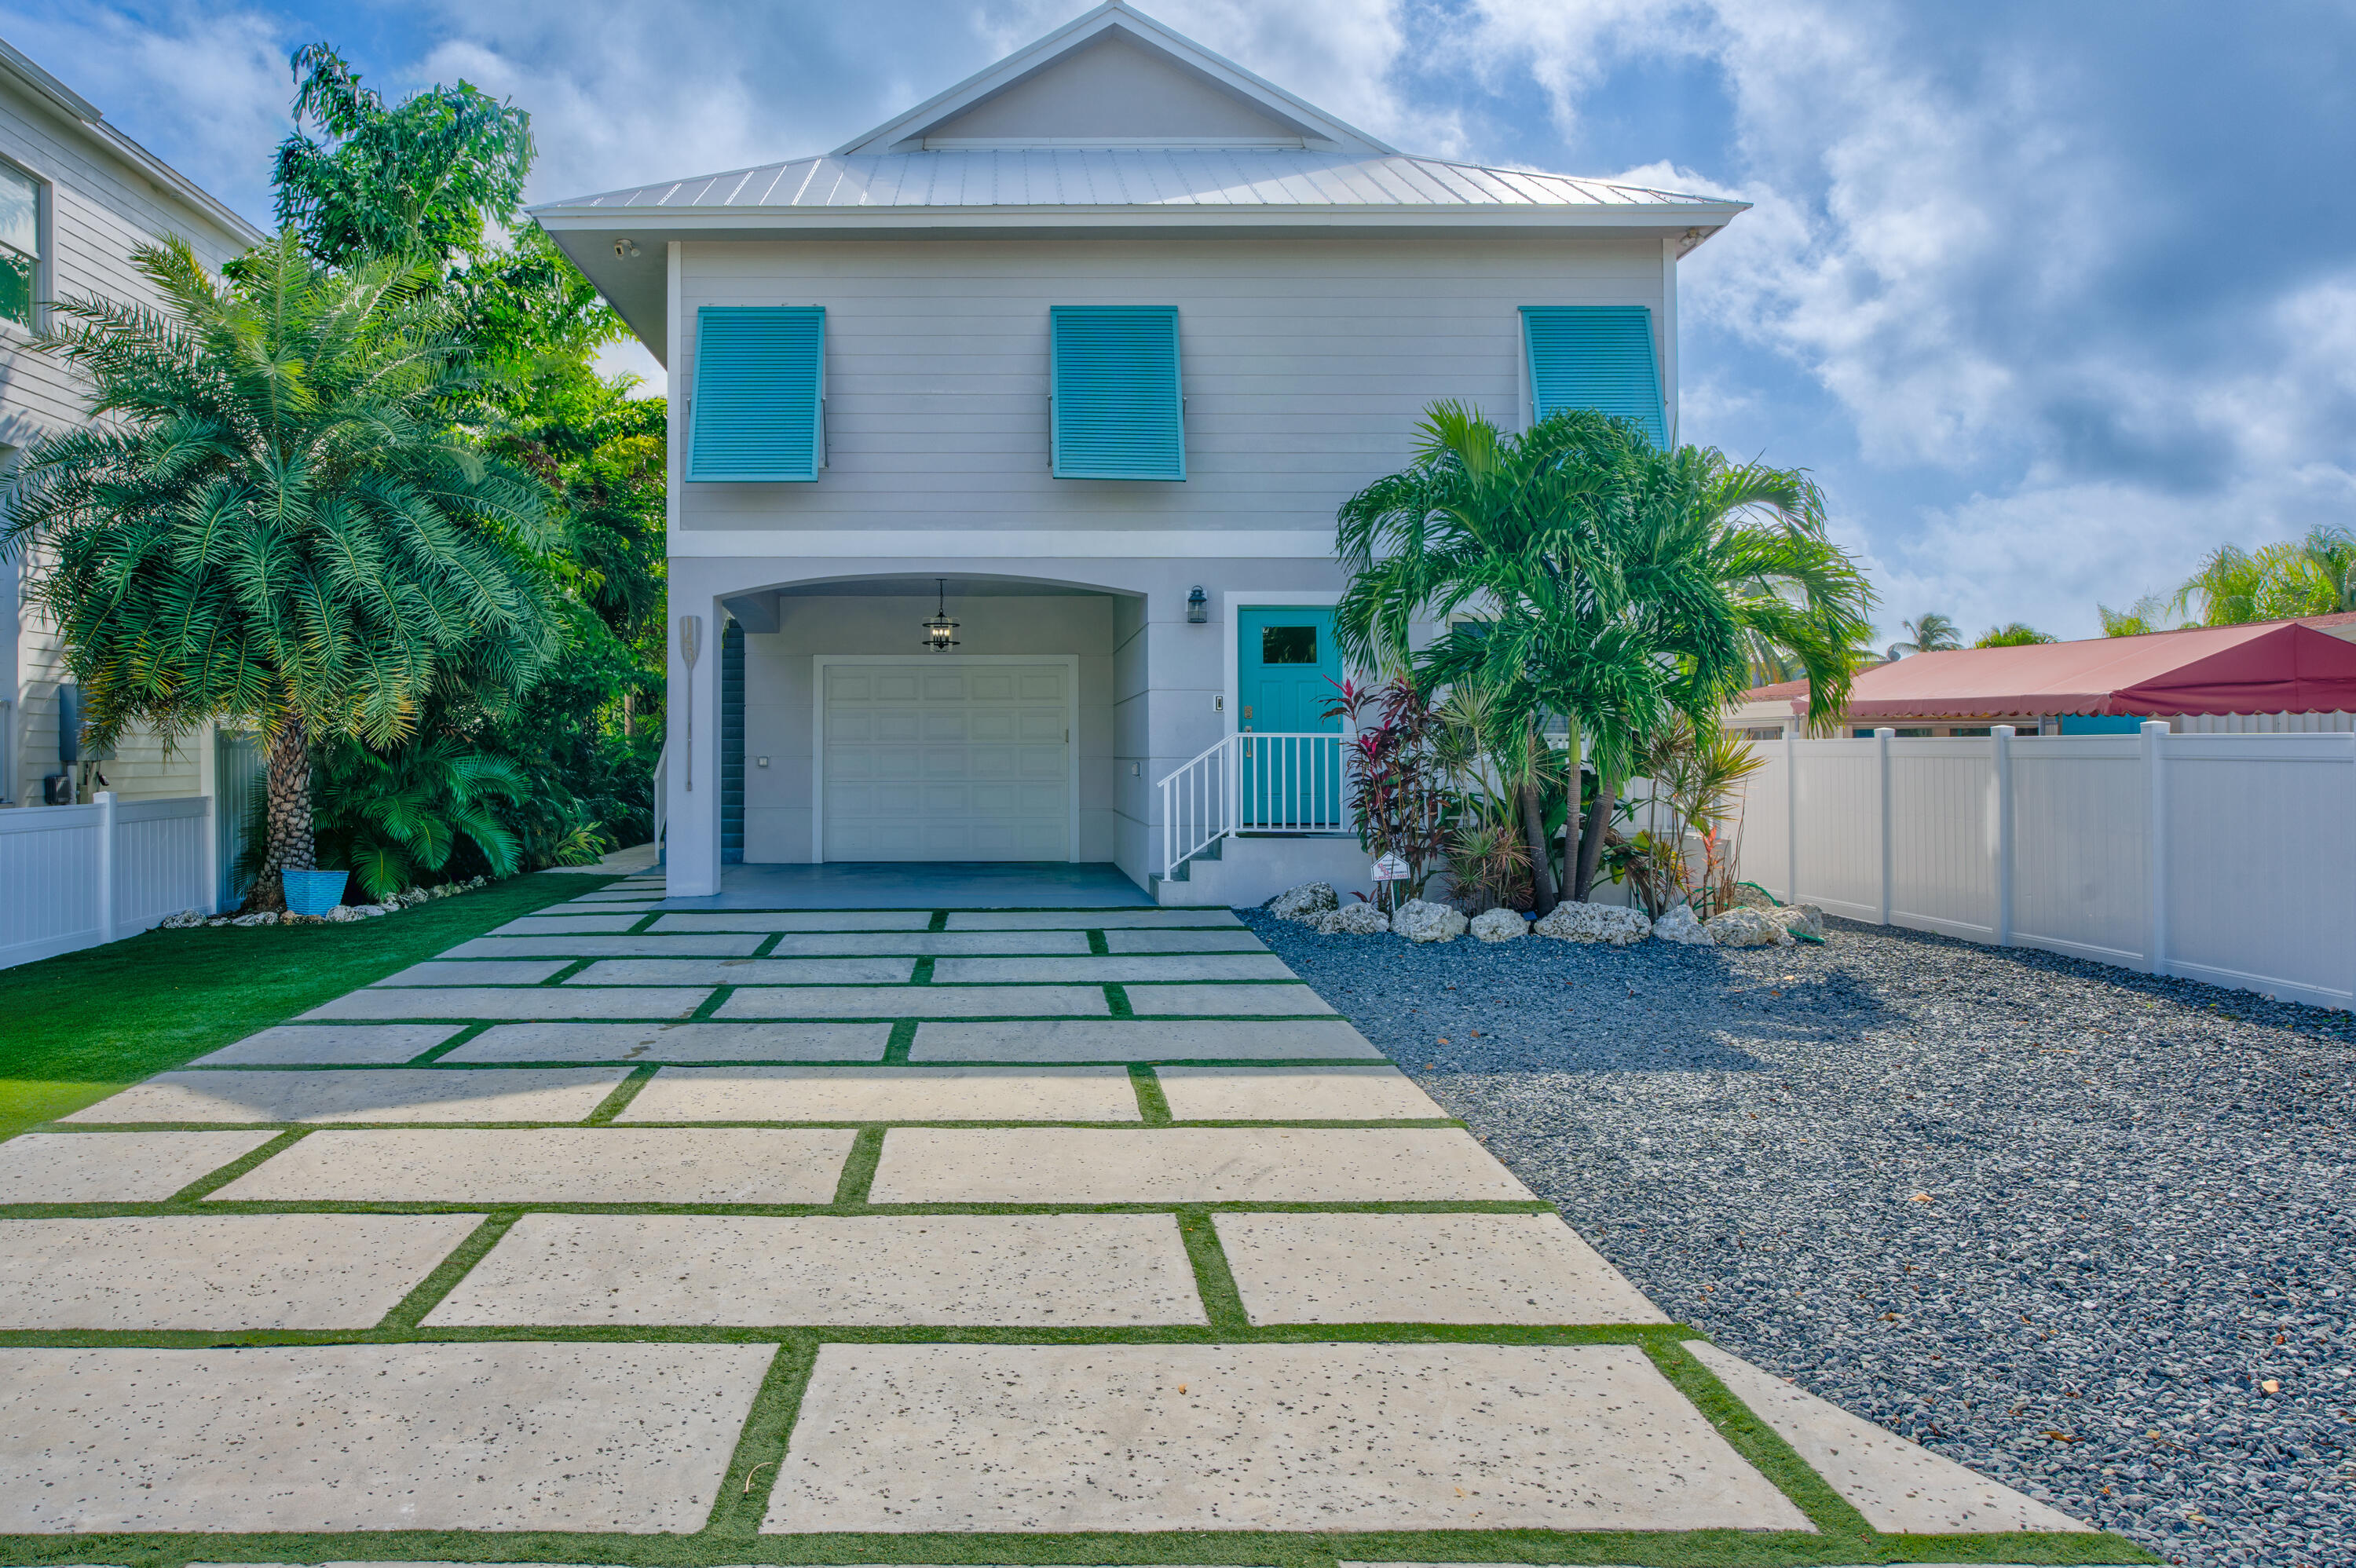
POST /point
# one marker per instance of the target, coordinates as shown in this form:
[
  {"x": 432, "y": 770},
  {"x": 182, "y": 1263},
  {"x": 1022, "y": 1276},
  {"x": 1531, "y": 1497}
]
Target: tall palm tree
[
  {"x": 1612, "y": 583},
  {"x": 1929, "y": 633},
  {"x": 2313, "y": 576},
  {"x": 273, "y": 519}
]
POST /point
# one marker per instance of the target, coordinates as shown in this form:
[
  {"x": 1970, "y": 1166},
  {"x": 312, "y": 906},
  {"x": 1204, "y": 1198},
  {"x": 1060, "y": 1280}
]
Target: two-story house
[
  {"x": 1081, "y": 356},
  {"x": 77, "y": 197}
]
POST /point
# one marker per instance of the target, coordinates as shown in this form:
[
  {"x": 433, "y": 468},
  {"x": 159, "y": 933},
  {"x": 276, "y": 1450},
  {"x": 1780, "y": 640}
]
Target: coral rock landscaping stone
[
  {"x": 916, "y": 1002},
  {"x": 554, "y": 1165},
  {"x": 631, "y": 1437},
  {"x": 885, "y": 1094},
  {"x": 1423, "y": 1268},
  {"x": 381, "y": 1095},
  {"x": 332, "y": 1045},
  {"x": 1499, "y": 925},
  {"x": 1747, "y": 928},
  {"x": 1609, "y": 923},
  {"x": 697, "y": 1041},
  {"x": 1138, "y": 1040},
  {"x": 114, "y": 1168},
  {"x": 1898, "y": 1485},
  {"x": 1187, "y": 1165},
  {"x": 1800, "y": 920},
  {"x": 1419, "y": 921},
  {"x": 958, "y": 1270},
  {"x": 1678, "y": 925},
  {"x": 1270, "y": 1437},
  {"x": 221, "y": 1271},
  {"x": 1300, "y": 902},
  {"x": 1294, "y": 1094},
  {"x": 1351, "y": 920}
]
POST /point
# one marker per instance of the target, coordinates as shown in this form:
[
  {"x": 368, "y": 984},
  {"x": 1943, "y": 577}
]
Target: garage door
[{"x": 947, "y": 762}]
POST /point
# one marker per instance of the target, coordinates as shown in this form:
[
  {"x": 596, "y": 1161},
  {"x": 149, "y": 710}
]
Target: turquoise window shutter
[
  {"x": 1114, "y": 380},
  {"x": 1595, "y": 356},
  {"x": 760, "y": 379}
]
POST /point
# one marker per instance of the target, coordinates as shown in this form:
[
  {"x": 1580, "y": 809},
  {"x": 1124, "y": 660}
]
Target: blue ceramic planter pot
[{"x": 315, "y": 893}]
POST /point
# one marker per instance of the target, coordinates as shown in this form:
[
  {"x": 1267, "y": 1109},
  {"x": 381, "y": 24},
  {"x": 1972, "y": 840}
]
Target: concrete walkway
[{"x": 856, "y": 1237}]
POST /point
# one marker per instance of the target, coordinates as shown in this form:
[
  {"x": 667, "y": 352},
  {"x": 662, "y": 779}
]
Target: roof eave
[{"x": 795, "y": 219}]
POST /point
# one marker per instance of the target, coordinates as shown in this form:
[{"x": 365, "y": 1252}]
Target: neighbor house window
[
  {"x": 1595, "y": 356},
  {"x": 20, "y": 244},
  {"x": 759, "y": 399},
  {"x": 1113, "y": 392}
]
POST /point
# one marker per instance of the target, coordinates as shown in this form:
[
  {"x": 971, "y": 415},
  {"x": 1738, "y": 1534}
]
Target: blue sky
[{"x": 2052, "y": 298}]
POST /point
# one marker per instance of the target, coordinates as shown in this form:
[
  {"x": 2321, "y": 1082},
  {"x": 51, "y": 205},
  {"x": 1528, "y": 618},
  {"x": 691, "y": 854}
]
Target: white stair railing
[{"x": 1284, "y": 782}]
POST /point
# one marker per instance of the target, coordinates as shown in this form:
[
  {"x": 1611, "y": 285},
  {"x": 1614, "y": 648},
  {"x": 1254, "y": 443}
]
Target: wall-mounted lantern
[
  {"x": 940, "y": 632},
  {"x": 1198, "y": 607}
]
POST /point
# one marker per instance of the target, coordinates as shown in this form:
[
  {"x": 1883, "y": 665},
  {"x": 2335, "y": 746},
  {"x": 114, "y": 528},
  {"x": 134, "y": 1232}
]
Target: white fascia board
[
  {"x": 1076, "y": 34},
  {"x": 996, "y": 544},
  {"x": 740, "y": 222}
]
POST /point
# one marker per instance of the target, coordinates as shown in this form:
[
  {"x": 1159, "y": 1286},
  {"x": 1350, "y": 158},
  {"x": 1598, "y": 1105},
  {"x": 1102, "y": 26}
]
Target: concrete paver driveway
[{"x": 891, "y": 1236}]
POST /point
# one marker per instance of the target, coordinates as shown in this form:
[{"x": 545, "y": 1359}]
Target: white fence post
[
  {"x": 1791, "y": 816},
  {"x": 1882, "y": 739},
  {"x": 2000, "y": 736},
  {"x": 2154, "y": 766},
  {"x": 104, "y": 801}
]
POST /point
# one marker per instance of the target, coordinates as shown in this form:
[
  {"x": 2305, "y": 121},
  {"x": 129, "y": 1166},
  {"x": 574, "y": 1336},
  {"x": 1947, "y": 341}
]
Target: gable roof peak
[{"x": 1238, "y": 107}]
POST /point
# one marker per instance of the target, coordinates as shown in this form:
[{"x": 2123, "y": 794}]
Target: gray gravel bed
[{"x": 2059, "y": 1221}]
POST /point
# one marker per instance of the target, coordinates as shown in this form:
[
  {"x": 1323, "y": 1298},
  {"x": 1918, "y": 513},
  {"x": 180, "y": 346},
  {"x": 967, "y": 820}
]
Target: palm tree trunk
[
  {"x": 1534, "y": 834},
  {"x": 288, "y": 815},
  {"x": 1590, "y": 836}
]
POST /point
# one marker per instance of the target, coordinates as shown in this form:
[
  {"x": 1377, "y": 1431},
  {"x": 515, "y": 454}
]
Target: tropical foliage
[
  {"x": 1588, "y": 576},
  {"x": 393, "y": 818},
  {"x": 276, "y": 517},
  {"x": 2311, "y": 576},
  {"x": 1929, "y": 633},
  {"x": 2012, "y": 634}
]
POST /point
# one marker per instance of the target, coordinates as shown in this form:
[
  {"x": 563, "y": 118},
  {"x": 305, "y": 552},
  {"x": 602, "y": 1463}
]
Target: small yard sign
[{"x": 1390, "y": 869}]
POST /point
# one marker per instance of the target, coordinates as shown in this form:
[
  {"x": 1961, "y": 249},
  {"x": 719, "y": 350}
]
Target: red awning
[{"x": 2273, "y": 666}]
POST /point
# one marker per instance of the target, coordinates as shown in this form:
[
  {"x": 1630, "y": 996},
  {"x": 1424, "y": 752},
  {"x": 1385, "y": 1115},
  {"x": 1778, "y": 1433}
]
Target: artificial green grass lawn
[{"x": 75, "y": 1027}]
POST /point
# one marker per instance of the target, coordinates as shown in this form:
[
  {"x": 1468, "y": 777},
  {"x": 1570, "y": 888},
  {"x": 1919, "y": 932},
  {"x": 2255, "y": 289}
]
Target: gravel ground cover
[{"x": 2087, "y": 1232}]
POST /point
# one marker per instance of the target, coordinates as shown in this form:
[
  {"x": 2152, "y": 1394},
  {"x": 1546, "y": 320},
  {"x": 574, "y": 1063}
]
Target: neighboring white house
[
  {"x": 77, "y": 197},
  {"x": 1092, "y": 345}
]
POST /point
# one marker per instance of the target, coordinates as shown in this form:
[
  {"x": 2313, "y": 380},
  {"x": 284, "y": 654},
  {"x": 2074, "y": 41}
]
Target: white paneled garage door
[{"x": 947, "y": 760}]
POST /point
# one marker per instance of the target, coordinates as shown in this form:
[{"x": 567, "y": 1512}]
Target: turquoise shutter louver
[
  {"x": 1595, "y": 356},
  {"x": 760, "y": 376},
  {"x": 1114, "y": 380}
]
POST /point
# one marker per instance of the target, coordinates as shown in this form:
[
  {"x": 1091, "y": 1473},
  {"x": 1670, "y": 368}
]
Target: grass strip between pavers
[
  {"x": 1152, "y": 1103},
  {"x": 410, "y": 1311},
  {"x": 618, "y": 1099},
  {"x": 858, "y": 1178},
  {"x": 1643, "y": 1334},
  {"x": 1215, "y": 1282}
]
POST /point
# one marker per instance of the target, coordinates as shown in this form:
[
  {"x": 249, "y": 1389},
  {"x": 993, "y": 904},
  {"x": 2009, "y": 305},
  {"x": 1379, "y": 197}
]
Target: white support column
[
  {"x": 2154, "y": 773},
  {"x": 691, "y": 753},
  {"x": 1791, "y": 816},
  {"x": 2001, "y": 739},
  {"x": 104, "y": 801},
  {"x": 1882, "y": 739}
]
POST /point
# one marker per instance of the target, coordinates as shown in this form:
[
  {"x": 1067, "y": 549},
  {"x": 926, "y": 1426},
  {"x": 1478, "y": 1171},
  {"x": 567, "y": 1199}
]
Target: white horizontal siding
[
  {"x": 100, "y": 210},
  {"x": 1306, "y": 365}
]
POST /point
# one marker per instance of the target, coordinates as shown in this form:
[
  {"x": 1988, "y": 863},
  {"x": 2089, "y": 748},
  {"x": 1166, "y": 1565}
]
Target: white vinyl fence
[
  {"x": 75, "y": 876},
  {"x": 2224, "y": 858}
]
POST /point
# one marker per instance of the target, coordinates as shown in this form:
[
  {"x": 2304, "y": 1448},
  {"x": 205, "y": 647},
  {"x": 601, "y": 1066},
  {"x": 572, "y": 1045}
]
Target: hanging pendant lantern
[{"x": 940, "y": 632}]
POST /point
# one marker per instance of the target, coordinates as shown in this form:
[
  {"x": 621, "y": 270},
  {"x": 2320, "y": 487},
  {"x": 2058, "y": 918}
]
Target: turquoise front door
[{"x": 1287, "y": 669}]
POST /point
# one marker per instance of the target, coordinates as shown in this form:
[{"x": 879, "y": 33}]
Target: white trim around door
[{"x": 1070, "y": 665}]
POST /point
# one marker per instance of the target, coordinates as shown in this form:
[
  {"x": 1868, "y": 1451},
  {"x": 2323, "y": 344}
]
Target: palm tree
[
  {"x": 1612, "y": 583},
  {"x": 273, "y": 519},
  {"x": 2313, "y": 576},
  {"x": 2012, "y": 634},
  {"x": 1929, "y": 633}
]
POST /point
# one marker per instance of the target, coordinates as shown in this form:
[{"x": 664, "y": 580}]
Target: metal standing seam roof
[{"x": 1072, "y": 176}]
